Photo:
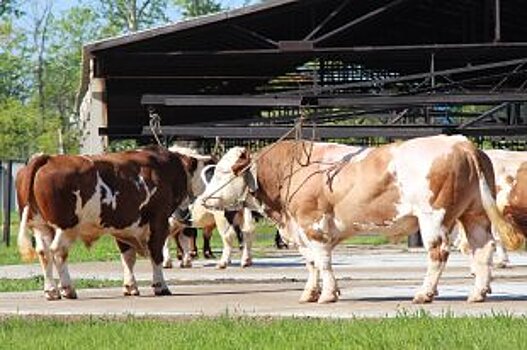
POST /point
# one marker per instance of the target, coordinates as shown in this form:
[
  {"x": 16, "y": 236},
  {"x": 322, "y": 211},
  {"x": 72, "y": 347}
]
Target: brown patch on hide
[
  {"x": 189, "y": 163},
  {"x": 242, "y": 162},
  {"x": 436, "y": 253},
  {"x": 517, "y": 200},
  {"x": 316, "y": 235}
]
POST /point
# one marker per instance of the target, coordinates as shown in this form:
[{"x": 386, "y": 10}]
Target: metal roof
[{"x": 333, "y": 51}]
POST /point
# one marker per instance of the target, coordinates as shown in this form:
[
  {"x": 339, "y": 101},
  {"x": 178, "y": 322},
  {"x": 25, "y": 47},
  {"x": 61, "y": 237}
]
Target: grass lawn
[
  {"x": 105, "y": 248},
  {"x": 37, "y": 283},
  {"x": 404, "y": 332}
]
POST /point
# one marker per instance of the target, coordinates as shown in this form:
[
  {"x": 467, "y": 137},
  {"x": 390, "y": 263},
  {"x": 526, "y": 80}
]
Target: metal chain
[{"x": 155, "y": 125}]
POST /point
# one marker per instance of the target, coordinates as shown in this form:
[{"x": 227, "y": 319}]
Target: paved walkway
[{"x": 376, "y": 282}]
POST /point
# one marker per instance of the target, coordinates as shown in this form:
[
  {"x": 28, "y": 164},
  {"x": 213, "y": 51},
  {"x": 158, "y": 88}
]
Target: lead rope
[
  {"x": 296, "y": 129},
  {"x": 155, "y": 125}
]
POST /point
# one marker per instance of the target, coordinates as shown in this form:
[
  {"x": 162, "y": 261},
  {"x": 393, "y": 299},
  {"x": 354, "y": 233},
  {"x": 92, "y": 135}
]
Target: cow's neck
[{"x": 272, "y": 173}]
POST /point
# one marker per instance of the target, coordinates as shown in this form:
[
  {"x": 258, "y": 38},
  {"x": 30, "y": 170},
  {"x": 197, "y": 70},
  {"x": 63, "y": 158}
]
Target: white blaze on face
[
  {"x": 411, "y": 165},
  {"x": 225, "y": 190}
]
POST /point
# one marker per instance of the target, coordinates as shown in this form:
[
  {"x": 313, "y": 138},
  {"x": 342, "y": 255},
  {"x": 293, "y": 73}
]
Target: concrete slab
[{"x": 374, "y": 283}]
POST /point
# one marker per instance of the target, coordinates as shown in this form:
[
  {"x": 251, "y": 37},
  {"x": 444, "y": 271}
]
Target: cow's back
[{"x": 112, "y": 191}]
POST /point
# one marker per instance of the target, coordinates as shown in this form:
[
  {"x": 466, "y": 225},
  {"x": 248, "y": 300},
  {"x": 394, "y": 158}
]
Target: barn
[{"x": 352, "y": 68}]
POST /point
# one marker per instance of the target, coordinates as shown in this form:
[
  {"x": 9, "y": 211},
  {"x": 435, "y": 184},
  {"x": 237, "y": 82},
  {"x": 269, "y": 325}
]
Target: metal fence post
[{"x": 7, "y": 202}]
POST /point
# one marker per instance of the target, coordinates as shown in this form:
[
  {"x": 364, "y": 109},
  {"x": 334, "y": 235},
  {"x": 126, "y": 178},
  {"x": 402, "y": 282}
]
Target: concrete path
[{"x": 374, "y": 282}]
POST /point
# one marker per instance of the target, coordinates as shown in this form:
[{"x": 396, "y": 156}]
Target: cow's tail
[
  {"x": 509, "y": 234},
  {"x": 25, "y": 246},
  {"x": 26, "y": 201}
]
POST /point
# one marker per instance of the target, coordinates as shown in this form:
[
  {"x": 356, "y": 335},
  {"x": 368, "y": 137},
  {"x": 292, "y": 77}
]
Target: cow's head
[
  {"x": 231, "y": 182},
  {"x": 194, "y": 163}
]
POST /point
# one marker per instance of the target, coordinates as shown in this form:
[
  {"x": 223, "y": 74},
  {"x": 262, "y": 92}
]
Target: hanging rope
[
  {"x": 296, "y": 130},
  {"x": 155, "y": 125}
]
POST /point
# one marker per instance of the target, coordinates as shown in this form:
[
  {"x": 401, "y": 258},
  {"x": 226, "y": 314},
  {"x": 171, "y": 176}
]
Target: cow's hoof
[
  {"x": 247, "y": 262},
  {"x": 162, "y": 292},
  {"x": 310, "y": 296},
  {"x": 68, "y": 292},
  {"x": 186, "y": 264},
  {"x": 167, "y": 264},
  {"x": 209, "y": 255},
  {"x": 424, "y": 298},
  {"x": 52, "y": 294},
  {"x": 161, "y": 289},
  {"x": 222, "y": 265},
  {"x": 479, "y": 296},
  {"x": 130, "y": 291},
  {"x": 501, "y": 264},
  {"x": 329, "y": 297},
  {"x": 194, "y": 254}
]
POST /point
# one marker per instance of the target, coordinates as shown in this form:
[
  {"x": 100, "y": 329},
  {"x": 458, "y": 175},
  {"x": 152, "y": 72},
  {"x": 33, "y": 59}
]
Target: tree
[
  {"x": 14, "y": 63},
  {"x": 132, "y": 15},
  {"x": 8, "y": 7},
  {"x": 194, "y": 8}
]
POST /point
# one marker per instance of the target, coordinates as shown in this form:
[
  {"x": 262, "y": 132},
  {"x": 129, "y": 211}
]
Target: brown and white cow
[
  {"x": 320, "y": 194},
  {"x": 129, "y": 195},
  {"x": 227, "y": 222},
  {"x": 510, "y": 170}
]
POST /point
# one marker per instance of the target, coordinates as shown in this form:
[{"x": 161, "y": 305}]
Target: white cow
[{"x": 227, "y": 223}]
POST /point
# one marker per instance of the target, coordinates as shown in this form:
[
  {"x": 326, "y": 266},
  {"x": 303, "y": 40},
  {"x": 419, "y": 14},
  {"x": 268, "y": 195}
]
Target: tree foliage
[
  {"x": 40, "y": 63},
  {"x": 194, "y": 8},
  {"x": 132, "y": 15}
]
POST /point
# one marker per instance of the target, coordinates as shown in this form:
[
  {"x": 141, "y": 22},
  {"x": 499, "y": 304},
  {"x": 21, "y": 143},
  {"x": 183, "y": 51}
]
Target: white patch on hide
[
  {"x": 109, "y": 198},
  {"x": 410, "y": 165}
]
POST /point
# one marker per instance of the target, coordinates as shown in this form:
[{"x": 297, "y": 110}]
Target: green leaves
[{"x": 194, "y": 8}]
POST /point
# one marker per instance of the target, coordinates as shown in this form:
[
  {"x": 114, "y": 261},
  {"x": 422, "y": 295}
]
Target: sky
[{"x": 65, "y": 4}]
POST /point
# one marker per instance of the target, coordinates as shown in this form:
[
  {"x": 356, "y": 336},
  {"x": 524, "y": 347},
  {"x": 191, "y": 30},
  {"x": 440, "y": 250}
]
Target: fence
[{"x": 8, "y": 171}]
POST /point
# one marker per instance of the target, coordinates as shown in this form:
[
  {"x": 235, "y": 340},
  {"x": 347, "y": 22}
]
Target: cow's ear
[
  {"x": 243, "y": 161},
  {"x": 189, "y": 163}
]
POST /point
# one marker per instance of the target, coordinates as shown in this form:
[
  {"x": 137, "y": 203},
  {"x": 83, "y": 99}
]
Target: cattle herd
[{"x": 317, "y": 195}]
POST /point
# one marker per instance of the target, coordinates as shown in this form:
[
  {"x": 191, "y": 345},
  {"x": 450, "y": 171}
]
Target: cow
[
  {"x": 129, "y": 195},
  {"x": 319, "y": 194},
  {"x": 230, "y": 224},
  {"x": 510, "y": 171}
]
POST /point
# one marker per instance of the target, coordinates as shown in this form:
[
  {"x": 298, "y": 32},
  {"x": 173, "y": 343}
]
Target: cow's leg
[
  {"x": 192, "y": 234},
  {"x": 311, "y": 291},
  {"x": 167, "y": 259},
  {"x": 482, "y": 245},
  {"x": 43, "y": 239},
  {"x": 435, "y": 241},
  {"x": 128, "y": 257},
  {"x": 60, "y": 248},
  {"x": 159, "y": 232},
  {"x": 247, "y": 228},
  {"x": 322, "y": 253},
  {"x": 227, "y": 235},
  {"x": 207, "y": 235},
  {"x": 502, "y": 258},
  {"x": 185, "y": 242},
  {"x": 247, "y": 244}
]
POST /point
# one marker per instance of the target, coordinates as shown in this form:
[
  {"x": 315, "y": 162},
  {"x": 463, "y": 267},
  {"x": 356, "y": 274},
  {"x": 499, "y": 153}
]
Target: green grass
[
  {"x": 105, "y": 248},
  {"x": 406, "y": 332},
  {"x": 37, "y": 283}
]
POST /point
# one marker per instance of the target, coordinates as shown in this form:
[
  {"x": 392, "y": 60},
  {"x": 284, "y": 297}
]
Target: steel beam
[
  {"x": 324, "y": 132},
  {"x": 359, "y": 20},
  {"x": 329, "y": 101}
]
